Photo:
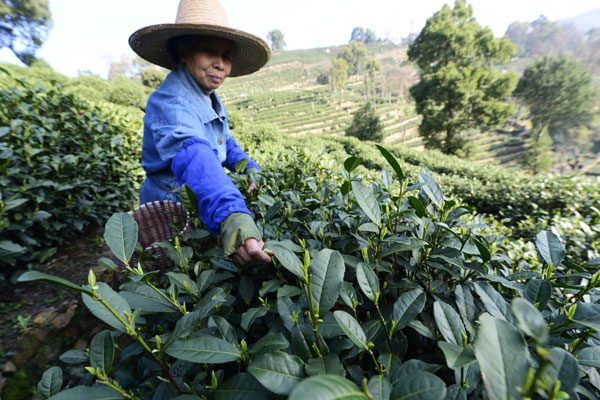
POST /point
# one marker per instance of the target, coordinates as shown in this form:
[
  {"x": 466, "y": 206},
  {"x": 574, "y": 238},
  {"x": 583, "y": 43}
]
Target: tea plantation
[{"x": 397, "y": 273}]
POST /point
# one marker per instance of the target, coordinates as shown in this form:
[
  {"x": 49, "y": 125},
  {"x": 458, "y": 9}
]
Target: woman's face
[{"x": 209, "y": 62}]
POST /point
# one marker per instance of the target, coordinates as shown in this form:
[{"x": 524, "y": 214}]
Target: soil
[{"x": 53, "y": 319}]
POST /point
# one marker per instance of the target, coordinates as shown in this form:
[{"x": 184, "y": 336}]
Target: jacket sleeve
[
  {"x": 235, "y": 154},
  {"x": 197, "y": 165}
]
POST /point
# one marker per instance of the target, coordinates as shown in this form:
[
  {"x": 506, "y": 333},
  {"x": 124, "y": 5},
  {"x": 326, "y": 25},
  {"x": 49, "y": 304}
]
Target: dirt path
[{"x": 39, "y": 321}]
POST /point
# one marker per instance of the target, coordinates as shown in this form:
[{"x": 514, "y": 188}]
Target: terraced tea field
[{"x": 287, "y": 95}]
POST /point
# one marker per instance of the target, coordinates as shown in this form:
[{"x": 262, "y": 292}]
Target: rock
[
  {"x": 81, "y": 344},
  {"x": 27, "y": 350},
  {"x": 39, "y": 333},
  {"x": 45, "y": 317},
  {"x": 62, "y": 320},
  {"x": 9, "y": 368},
  {"x": 72, "y": 333}
]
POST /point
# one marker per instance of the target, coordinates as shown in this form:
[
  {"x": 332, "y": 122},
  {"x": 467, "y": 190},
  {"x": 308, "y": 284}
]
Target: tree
[
  {"x": 357, "y": 35},
  {"x": 355, "y": 55},
  {"x": 371, "y": 68},
  {"x": 366, "y": 124},
  {"x": 360, "y": 35},
  {"x": 538, "y": 158},
  {"x": 458, "y": 88},
  {"x": 152, "y": 77},
  {"x": 24, "y": 25},
  {"x": 276, "y": 39},
  {"x": 560, "y": 95},
  {"x": 338, "y": 76},
  {"x": 370, "y": 37}
]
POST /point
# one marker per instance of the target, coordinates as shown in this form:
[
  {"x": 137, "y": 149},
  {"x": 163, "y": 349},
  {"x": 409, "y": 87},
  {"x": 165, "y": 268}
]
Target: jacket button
[{"x": 220, "y": 142}]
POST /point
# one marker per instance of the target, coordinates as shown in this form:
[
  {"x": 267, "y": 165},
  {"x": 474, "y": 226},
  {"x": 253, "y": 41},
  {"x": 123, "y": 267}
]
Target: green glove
[
  {"x": 250, "y": 171},
  {"x": 235, "y": 230}
]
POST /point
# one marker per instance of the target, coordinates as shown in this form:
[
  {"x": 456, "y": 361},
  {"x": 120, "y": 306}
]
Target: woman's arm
[{"x": 235, "y": 154}]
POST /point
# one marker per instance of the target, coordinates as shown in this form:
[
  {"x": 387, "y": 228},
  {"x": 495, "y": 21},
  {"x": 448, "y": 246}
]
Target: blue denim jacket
[{"x": 187, "y": 140}]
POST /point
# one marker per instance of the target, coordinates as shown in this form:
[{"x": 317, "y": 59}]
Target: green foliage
[
  {"x": 458, "y": 88},
  {"x": 339, "y": 73},
  {"x": 152, "y": 77},
  {"x": 538, "y": 157},
  {"x": 276, "y": 38},
  {"x": 360, "y": 35},
  {"x": 387, "y": 290},
  {"x": 89, "y": 87},
  {"x": 355, "y": 55},
  {"x": 127, "y": 92},
  {"x": 25, "y": 24},
  {"x": 559, "y": 93},
  {"x": 366, "y": 124},
  {"x": 65, "y": 164}
]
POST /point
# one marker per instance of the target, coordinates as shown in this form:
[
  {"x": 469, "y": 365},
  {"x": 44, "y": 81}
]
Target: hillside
[{"x": 286, "y": 93}]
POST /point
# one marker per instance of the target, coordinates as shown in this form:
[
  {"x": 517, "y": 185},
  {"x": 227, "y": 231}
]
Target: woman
[{"x": 186, "y": 135}]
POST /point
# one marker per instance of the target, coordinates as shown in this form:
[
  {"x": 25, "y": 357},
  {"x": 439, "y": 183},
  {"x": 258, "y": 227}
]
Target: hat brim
[{"x": 248, "y": 55}]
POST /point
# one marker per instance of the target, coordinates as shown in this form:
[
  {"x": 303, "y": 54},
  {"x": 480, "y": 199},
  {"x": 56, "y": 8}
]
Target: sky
[{"x": 88, "y": 35}]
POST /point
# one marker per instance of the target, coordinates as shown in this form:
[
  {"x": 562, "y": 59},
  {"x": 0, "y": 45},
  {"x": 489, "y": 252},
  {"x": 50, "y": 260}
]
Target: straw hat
[{"x": 200, "y": 17}]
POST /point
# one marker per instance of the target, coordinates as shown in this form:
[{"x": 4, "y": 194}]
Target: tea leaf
[
  {"x": 538, "y": 291},
  {"x": 457, "y": 356},
  {"x": 588, "y": 315},
  {"x": 73, "y": 357},
  {"x": 367, "y": 202},
  {"x": 184, "y": 327},
  {"x": 431, "y": 188},
  {"x": 379, "y": 387},
  {"x": 351, "y": 328},
  {"x": 589, "y": 356},
  {"x": 117, "y": 302},
  {"x": 448, "y": 322},
  {"x": 287, "y": 259},
  {"x": 493, "y": 301},
  {"x": 224, "y": 328},
  {"x": 419, "y": 386},
  {"x": 242, "y": 386},
  {"x": 407, "y": 307},
  {"x": 279, "y": 372},
  {"x": 270, "y": 343},
  {"x": 367, "y": 280},
  {"x": 50, "y": 383},
  {"x": 530, "y": 319},
  {"x": 327, "y": 365},
  {"x": 41, "y": 276},
  {"x": 550, "y": 248},
  {"x": 204, "y": 350},
  {"x": 121, "y": 235},
  {"x": 327, "y": 270},
  {"x": 102, "y": 351},
  {"x": 564, "y": 368},
  {"x": 351, "y": 163},
  {"x": 499, "y": 349},
  {"x": 251, "y": 315},
  {"x": 327, "y": 387},
  {"x": 147, "y": 300},
  {"x": 188, "y": 199},
  {"x": 392, "y": 161},
  {"x": 88, "y": 393}
]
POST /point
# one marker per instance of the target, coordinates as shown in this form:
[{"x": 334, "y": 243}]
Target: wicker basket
[{"x": 158, "y": 221}]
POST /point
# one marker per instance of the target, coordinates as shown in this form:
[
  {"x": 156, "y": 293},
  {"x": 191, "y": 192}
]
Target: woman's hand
[
  {"x": 251, "y": 251},
  {"x": 252, "y": 187}
]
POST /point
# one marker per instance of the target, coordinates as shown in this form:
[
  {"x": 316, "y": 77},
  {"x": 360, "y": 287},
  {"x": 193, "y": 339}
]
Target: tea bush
[
  {"x": 378, "y": 290},
  {"x": 64, "y": 164}
]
